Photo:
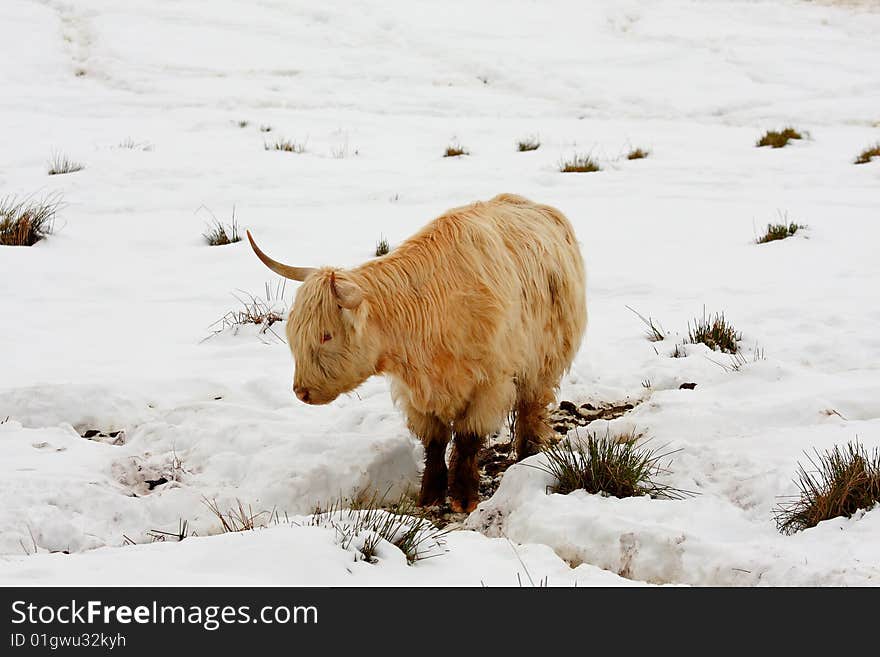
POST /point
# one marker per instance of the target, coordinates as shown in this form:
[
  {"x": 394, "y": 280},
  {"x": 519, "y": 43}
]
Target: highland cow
[{"x": 479, "y": 313}]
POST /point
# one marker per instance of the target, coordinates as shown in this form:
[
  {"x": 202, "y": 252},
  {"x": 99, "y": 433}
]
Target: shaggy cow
[{"x": 479, "y": 313}]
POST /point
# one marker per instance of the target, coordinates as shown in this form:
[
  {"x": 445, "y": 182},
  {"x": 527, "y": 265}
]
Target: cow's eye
[{"x": 326, "y": 338}]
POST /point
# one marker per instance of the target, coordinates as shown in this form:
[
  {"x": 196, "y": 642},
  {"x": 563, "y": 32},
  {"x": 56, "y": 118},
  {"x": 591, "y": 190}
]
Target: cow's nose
[{"x": 301, "y": 393}]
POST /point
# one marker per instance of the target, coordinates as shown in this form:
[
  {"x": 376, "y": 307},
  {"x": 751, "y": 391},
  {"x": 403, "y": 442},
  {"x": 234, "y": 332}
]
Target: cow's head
[{"x": 327, "y": 330}]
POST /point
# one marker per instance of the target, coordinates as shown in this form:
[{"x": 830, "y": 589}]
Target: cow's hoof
[{"x": 463, "y": 506}]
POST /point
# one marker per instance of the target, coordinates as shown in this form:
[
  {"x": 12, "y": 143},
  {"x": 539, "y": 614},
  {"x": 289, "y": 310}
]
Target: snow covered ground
[{"x": 102, "y": 324}]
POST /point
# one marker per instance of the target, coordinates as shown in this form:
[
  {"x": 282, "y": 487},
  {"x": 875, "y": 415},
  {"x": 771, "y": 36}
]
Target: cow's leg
[
  {"x": 434, "y": 435},
  {"x": 531, "y": 430},
  {"x": 484, "y": 414},
  {"x": 464, "y": 472}
]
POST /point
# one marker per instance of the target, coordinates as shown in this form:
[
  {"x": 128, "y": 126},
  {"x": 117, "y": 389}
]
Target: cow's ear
[{"x": 348, "y": 295}]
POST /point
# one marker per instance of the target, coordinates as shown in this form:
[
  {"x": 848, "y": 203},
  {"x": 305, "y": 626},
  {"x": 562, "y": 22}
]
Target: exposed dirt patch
[
  {"x": 494, "y": 461},
  {"x": 152, "y": 483},
  {"x": 110, "y": 438},
  {"x": 568, "y": 416}
]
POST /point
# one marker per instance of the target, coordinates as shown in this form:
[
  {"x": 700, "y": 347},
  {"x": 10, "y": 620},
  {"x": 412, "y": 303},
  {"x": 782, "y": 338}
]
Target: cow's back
[
  {"x": 491, "y": 291},
  {"x": 528, "y": 254}
]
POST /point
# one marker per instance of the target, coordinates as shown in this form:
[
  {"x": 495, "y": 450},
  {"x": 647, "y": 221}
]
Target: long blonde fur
[{"x": 480, "y": 312}]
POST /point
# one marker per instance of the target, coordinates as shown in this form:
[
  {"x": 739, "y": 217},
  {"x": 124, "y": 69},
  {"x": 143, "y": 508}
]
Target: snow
[
  {"x": 305, "y": 556},
  {"x": 103, "y": 325}
]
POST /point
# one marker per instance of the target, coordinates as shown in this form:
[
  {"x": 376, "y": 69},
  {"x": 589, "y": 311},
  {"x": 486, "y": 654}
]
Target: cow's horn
[{"x": 293, "y": 273}]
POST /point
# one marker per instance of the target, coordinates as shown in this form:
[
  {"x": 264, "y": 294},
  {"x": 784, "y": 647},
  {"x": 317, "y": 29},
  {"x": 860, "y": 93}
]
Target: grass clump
[
  {"x": 286, "y": 145},
  {"x": 261, "y": 312},
  {"x": 610, "y": 465},
  {"x": 382, "y": 247},
  {"x": 455, "y": 150},
  {"x": 866, "y": 155},
  {"x": 219, "y": 234},
  {"x": 579, "y": 164},
  {"x": 714, "y": 332},
  {"x": 368, "y": 523},
  {"x": 59, "y": 164},
  {"x": 840, "y": 482},
  {"x": 237, "y": 518},
  {"x": 24, "y": 222},
  {"x": 528, "y": 144},
  {"x": 637, "y": 154},
  {"x": 779, "y": 231},
  {"x": 778, "y": 139}
]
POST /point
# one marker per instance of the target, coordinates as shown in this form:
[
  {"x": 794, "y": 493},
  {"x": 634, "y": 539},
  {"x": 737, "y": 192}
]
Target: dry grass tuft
[
  {"x": 455, "y": 150},
  {"x": 60, "y": 164},
  {"x": 778, "y": 139},
  {"x": 841, "y": 482},
  {"x": 779, "y": 231},
  {"x": 579, "y": 164},
  {"x": 286, "y": 145},
  {"x": 382, "y": 247},
  {"x": 637, "y": 154},
  {"x": 261, "y": 312},
  {"x": 237, "y": 519},
  {"x": 612, "y": 465},
  {"x": 866, "y": 155},
  {"x": 24, "y": 222},
  {"x": 528, "y": 144},
  {"x": 219, "y": 234},
  {"x": 715, "y": 332}
]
